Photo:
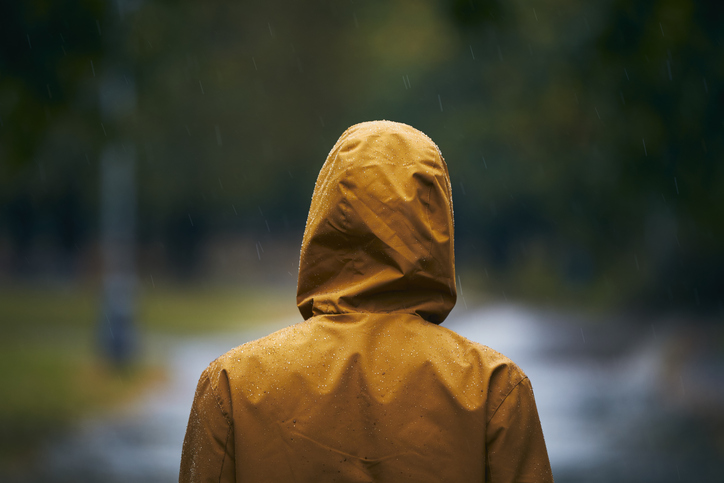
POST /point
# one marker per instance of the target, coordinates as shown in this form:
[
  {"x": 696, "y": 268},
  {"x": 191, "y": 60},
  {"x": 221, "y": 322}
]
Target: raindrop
[
  {"x": 439, "y": 99},
  {"x": 93, "y": 69},
  {"x": 535, "y": 15},
  {"x": 254, "y": 61},
  {"x": 626, "y": 72},
  {"x": 471, "y": 52},
  {"x": 29, "y": 44},
  {"x": 662, "y": 29},
  {"x": 676, "y": 183},
  {"x": 110, "y": 329},
  {"x": 202, "y": 87},
  {"x": 192, "y": 221},
  {"x": 645, "y": 152}
]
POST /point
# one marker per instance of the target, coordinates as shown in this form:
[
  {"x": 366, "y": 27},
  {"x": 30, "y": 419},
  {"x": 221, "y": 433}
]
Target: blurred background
[{"x": 157, "y": 160}]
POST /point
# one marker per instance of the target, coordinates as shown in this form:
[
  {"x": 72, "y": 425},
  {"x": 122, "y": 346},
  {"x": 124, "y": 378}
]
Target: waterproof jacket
[{"x": 369, "y": 387}]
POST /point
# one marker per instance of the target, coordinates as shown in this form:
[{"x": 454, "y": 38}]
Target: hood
[{"x": 379, "y": 236}]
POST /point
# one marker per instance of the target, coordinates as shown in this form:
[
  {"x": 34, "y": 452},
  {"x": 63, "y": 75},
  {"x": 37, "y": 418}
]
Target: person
[{"x": 369, "y": 387}]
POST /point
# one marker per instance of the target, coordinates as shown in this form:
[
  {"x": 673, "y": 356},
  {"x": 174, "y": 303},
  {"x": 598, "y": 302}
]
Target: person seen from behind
[{"x": 369, "y": 387}]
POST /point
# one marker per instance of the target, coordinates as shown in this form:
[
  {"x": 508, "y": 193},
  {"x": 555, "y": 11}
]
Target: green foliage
[
  {"x": 584, "y": 139},
  {"x": 46, "y": 50}
]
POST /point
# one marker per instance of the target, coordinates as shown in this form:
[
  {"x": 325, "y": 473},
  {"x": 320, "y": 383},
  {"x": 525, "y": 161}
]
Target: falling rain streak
[{"x": 460, "y": 286}]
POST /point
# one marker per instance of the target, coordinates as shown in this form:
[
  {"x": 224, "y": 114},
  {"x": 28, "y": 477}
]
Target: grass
[{"x": 51, "y": 368}]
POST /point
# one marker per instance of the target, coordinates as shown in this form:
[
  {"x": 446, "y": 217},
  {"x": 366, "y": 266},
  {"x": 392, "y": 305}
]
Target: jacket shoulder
[
  {"x": 489, "y": 357},
  {"x": 279, "y": 341},
  {"x": 500, "y": 373}
]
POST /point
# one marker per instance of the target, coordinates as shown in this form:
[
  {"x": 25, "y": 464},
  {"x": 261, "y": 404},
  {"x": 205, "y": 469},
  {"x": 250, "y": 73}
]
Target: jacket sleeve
[
  {"x": 208, "y": 450},
  {"x": 516, "y": 451}
]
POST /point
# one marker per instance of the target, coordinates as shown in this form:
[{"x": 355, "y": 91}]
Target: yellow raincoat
[{"x": 369, "y": 387}]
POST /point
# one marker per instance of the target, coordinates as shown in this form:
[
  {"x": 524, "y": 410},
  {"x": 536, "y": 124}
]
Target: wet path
[{"x": 597, "y": 391}]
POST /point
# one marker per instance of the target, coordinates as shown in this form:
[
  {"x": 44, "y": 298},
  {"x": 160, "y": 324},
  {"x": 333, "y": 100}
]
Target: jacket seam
[
  {"x": 506, "y": 397},
  {"x": 217, "y": 400},
  {"x": 226, "y": 446}
]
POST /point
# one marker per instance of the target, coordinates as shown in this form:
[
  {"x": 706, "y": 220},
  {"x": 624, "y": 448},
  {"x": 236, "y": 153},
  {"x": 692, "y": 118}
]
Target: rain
[{"x": 140, "y": 139}]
